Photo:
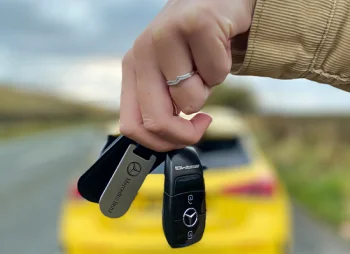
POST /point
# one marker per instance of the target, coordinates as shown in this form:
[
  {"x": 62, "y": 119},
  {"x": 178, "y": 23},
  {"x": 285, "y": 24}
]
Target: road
[{"x": 34, "y": 174}]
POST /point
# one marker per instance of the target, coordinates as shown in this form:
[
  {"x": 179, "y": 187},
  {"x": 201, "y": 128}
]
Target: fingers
[
  {"x": 155, "y": 101},
  {"x": 212, "y": 56},
  {"x": 131, "y": 124},
  {"x": 174, "y": 59},
  {"x": 196, "y": 43},
  {"x": 208, "y": 37}
]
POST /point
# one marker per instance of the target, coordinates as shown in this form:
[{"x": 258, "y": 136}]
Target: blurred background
[{"x": 60, "y": 80}]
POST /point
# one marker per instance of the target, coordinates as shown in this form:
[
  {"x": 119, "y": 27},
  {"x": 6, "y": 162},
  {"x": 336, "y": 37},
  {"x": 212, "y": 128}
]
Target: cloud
[
  {"x": 97, "y": 81},
  {"x": 73, "y": 28},
  {"x": 71, "y": 48}
]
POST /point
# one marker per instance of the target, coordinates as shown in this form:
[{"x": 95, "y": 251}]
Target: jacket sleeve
[{"x": 292, "y": 39}]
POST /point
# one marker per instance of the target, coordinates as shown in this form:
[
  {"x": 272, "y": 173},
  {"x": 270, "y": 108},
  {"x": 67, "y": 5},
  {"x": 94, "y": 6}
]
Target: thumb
[{"x": 201, "y": 122}]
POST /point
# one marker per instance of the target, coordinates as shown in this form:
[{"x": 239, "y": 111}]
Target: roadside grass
[
  {"x": 14, "y": 130},
  {"x": 312, "y": 156},
  {"x": 24, "y": 112},
  {"x": 18, "y": 105}
]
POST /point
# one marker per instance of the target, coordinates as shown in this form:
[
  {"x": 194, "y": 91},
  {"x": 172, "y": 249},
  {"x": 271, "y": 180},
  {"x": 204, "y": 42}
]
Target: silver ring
[{"x": 180, "y": 78}]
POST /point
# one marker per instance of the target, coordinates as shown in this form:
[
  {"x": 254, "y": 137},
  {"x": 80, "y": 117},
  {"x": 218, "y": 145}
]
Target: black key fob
[
  {"x": 94, "y": 182},
  {"x": 184, "y": 206}
]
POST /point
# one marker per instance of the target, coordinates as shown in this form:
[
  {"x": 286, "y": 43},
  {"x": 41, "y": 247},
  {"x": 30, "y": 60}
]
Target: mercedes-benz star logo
[
  {"x": 134, "y": 169},
  {"x": 190, "y": 217}
]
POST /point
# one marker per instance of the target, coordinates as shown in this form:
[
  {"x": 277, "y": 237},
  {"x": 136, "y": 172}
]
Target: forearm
[{"x": 292, "y": 39}]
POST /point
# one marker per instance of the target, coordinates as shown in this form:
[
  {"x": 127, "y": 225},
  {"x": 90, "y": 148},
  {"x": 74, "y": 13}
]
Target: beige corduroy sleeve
[{"x": 292, "y": 39}]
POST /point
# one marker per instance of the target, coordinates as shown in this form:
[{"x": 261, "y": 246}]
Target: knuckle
[
  {"x": 160, "y": 32},
  {"x": 154, "y": 126},
  {"x": 127, "y": 60},
  {"x": 204, "y": 10},
  {"x": 195, "y": 19},
  {"x": 225, "y": 69},
  {"x": 192, "y": 108},
  {"x": 216, "y": 81},
  {"x": 128, "y": 130},
  {"x": 221, "y": 71},
  {"x": 137, "y": 46},
  {"x": 141, "y": 45},
  {"x": 196, "y": 103}
]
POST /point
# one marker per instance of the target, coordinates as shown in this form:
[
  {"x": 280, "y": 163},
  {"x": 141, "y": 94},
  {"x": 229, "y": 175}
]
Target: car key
[
  {"x": 94, "y": 181},
  {"x": 184, "y": 205}
]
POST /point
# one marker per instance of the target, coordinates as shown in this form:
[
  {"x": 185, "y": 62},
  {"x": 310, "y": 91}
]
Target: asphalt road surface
[{"x": 35, "y": 171}]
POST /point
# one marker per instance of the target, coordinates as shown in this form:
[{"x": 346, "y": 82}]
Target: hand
[{"x": 187, "y": 35}]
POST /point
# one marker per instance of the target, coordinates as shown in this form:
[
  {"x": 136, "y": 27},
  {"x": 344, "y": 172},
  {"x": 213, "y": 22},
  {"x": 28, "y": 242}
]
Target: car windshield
[{"x": 219, "y": 153}]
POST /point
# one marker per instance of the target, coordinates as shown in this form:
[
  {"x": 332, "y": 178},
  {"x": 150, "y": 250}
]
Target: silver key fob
[{"x": 125, "y": 183}]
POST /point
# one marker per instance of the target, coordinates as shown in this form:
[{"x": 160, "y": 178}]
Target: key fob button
[
  {"x": 189, "y": 183},
  {"x": 188, "y": 235},
  {"x": 182, "y": 202}
]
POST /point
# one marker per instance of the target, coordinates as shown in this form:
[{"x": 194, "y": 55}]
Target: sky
[{"x": 73, "y": 48}]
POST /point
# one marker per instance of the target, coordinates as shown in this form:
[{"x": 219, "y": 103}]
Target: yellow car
[{"x": 248, "y": 208}]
